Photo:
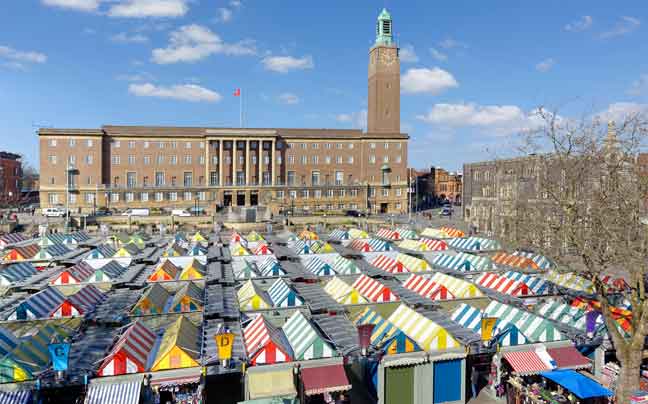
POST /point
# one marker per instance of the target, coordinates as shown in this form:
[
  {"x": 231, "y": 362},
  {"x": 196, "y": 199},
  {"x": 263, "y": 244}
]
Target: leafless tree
[{"x": 587, "y": 214}]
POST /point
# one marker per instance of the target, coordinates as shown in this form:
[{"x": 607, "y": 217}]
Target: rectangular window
[
  {"x": 385, "y": 159},
  {"x": 399, "y": 191},
  {"x": 327, "y": 159},
  {"x": 131, "y": 144},
  {"x": 147, "y": 160},
  {"x": 214, "y": 160},
  {"x": 303, "y": 146},
  {"x": 304, "y": 193},
  {"x": 131, "y": 180},
  {"x": 174, "y": 144},
  {"x": 280, "y": 194},
  {"x": 398, "y": 159},
  {"x": 372, "y": 159},
  {"x": 201, "y": 145},
  {"x": 187, "y": 159},
  {"x": 130, "y": 197},
  {"x": 240, "y": 178},
  {"x": 131, "y": 159},
  {"x": 398, "y": 146},
  {"x": 291, "y": 159},
  {"x": 188, "y": 179},
  {"x": 266, "y": 160},
  {"x": 315, "y": 178},
  {"x": 173, "y": 160},
  {"x": 372, "y": 192},
  {"x": 213, "y": 178},
  {"x": 116, "y": 144},
  {"x": 385, "y": 192},
  {"x": 293, "y": 194},
  {"x": 266, "y": 178},
  {"x": 144, "y": 196},
  {"x": 116, "y": 160},
  {"x": 228, "y": 160},
  {"x": 315, "y": 159},
  {"x": 161, "y": 145},
  {"x": 339, "y": 178},
  {"x": 114, "y": 197},
  {"x": 159, "y": 179},
  {"x": 342, "y": 193},
  {"x": 386, "y": 146},
  {"x": 350, "y": 160},
  {"x": 72, "y": 161},
  {"x": 160, "y": 160},
  {"x": 159, "y": 196},
  {"x": 398, "y": 205},
  {"x": 315, "y": 145},
  {"x": 73, "y": 199},
  {"x": 187, "y": 196},
  {"x": 188, "y": 145},
  {"x": 146, "y": 144},
  {"x": 338, "y": 160},
  {"x": 304, "y": 160},
  {"x": 317, "y": 194},
  {"x": 145, "y": 181},
  {"x": 354, "y": 192},
  {"x": 173, "y": 196},
  {"x": 254, "y": 159},
  {"x": 329, "y": 193},
  {"x": 291, "y": 178},
  {"x": 201, "y": 160},
  {"x": 279, "y": 159},
  {"x": 53, "y": 199},
  {"x": 241, "y": 159},
  {"x": 52, "y": 143},
  {"x": 52, "y": 159},
  {"x": 372, "y": 145},
  {"x": 202, "y": 195},
  {"x": 338, "y": 145},
  {"x": 89, "y": 197},
  {"x": 72, "y": 142}
]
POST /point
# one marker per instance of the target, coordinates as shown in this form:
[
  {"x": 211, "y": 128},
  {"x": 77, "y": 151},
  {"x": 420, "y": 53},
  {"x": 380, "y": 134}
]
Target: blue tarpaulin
[{"x": 581, "y": 386}]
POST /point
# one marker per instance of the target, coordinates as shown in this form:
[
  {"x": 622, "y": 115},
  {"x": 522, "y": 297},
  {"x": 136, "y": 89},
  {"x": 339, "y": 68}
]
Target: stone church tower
[{"x": 383, "y": 115}]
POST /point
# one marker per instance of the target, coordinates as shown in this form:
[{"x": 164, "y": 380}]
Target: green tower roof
[
  {"x": 384, "y": 15},
  {"x": 384, "y": 34}
]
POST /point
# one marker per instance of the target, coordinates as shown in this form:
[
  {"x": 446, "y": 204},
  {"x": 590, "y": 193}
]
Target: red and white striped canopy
[{"x": 374, "y": 290}]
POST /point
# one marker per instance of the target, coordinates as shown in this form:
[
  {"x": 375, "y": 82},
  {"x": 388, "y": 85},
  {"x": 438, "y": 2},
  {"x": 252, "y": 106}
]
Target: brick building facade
[
  {"x": 308, "y": 169},
  {"x": 10, "y": 175}
]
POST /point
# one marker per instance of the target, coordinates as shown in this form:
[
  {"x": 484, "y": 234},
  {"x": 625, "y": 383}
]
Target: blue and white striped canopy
[
  {"x": 282, "y": 295},
  {"x": 319, "y": 267},
  {"x": 114, "y": 393},
  {"x": 15, "y": 397},
  {"x": 17, "y": 272},
  {"x": 474, "y": 244},
  {"x": 463, "y": 262},
  {"x": 536, "y": 284},
  {"x": 542, "y": 261}
]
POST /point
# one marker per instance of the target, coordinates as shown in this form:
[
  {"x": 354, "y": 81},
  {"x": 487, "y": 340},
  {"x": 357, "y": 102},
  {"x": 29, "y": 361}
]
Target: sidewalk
[{"x": 484, "y": 398}]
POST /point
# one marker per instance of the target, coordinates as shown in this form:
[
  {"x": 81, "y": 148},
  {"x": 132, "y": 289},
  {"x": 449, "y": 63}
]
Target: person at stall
[{"x": 474, "y": 382}]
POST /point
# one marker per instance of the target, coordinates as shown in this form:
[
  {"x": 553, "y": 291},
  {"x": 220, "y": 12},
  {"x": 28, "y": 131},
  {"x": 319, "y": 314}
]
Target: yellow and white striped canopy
[
  {"x": 342, "y": 292},
  {"x": 413, "y": 264},
  {"x": 570, "y": 281},
  {"x": 458, "y": 287},
  {"x": 414, "y": 245},
  {"x": 428, "y": 334}
]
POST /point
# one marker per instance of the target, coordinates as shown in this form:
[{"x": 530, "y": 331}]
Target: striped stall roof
[
  {"x": 561, "y": 312},
  {"x": 427, "y": 288},
  {"x": 373, "y": 290},
  {"x": 543, "y": 262},
  {"x": 570, "y": 281},
  {"x": 319, "y": 267},
  {"x": 429, "y": 335},
  {"x": 345, "y": 266},
  {"x": 39, "y": 305},
  {"x": 537, "y": 285},
  {"x": 622, "y": 315},
  {"x": 388, "y": 264},
  {"x": 152, "y": 301},
  {"x": 308, "y": 235},
  {"x": 57, "y": 250},
  {"x": 434, "y": 233},
  {"x": 434, "y": 245},
  {"x": 81, "y": 271},
  {"x": 15, "y": 397},
  {"x": 470, "y": 317},
  {"x": 196, "y": 250},
  {"x": 301, "y": 247},
  {"x": 16, "y": 272},
  {"x": 80, "y": 302},
  {"x": 250, "y": 297},
  {"x": 452, "y": 232},
  {"x": 282, "y": 295},
  {"x": 534, "y": 327},
  {"x": 305, "y": 340},
  {"x": 406, "y": 234},
  {"x": 388, "y": 234},
  {"x": 166, "y": 271},
  {"x": 12, "y": 238},
  {"x": 379, "y": 245},
  {"x": 514, "y": 261},
  {"x": 237, "y": 250},
  {"x": 383, "y": 329},
  {"x": 264, "y": 343},
  {"x": 339, "y": 234},
  {"x": 342, "y": 292},
  {"x": 131, "y": 351},
  {"x": 262, "y": 249},
  {"x": 190, "y": 297},
  {"x": 463, "y": 262},
  {"x": 474, "y": 244},
  {"x": 254, "y": 236},
  {"x": 8, "y": 341},
  {"x": 413, "y": 264},
  {"x": 321, "y": 247},
  {"x": 460, "y": 288},
  {"x": 243, "y": 269},
  {"x": 179, "y": 346},
  {"x": 412, "y": 245},
  {"x": 27, "y": 251},
  {"x": 502, "y": 284},
  {"x": 361, "y": 245},
  {"x": 270, "y": 267}
]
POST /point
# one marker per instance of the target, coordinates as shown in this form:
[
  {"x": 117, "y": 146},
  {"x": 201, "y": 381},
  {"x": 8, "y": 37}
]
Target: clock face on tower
[{"x": 388, "y": 58}]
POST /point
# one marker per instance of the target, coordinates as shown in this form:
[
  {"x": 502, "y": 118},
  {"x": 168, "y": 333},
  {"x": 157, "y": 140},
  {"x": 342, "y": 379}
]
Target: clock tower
[{"x": 383, "y": 115}]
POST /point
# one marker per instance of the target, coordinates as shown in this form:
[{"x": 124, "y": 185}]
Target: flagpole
[{"x": 241, "y": 109}]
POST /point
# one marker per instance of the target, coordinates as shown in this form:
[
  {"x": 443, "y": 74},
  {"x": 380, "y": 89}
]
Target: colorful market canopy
[
  {"x": 79, "y": 303},
  {"x": 543, "y": 262},
  {"x": 251, "y": 297},
  {"x": 322, "y": 247},
  {"x": 388, "y": 264},
  {"x": 581, "y": 386},
  {"x": 537, "y": 285},
  {"x": 474, "y": 244},
  {"x": 18, "y": 272},
  {"x": 427, "y": 288},
  {"x": 179, "y": 346},
  {"x": 536, "y": 328},
  {"x": 429, "y": 335},
  {"x": 452, "y": 232},
  {"x": 153, "y": 301},
  {"x": 243, "y": 269},
  {"x": 8, "y": 341},
  {"x": 254, "y": 236},
  {"x": 190, "y": 297},
  {"x": 130, "y": 353},
  {"x": 319, "y": 267},
  {"x": 386, "y": 335},
  {"x": 570, "y": 281},
  {"x": 413, "y": 245},
  {"x": 308, "y": 235},
  {"x": 373, "y": 290},
  {"x": 75, "y": 274},
  {"x": 379, "y": 245},
  {"x": 388, "y": 234},
  {"x": 195, "y": 270},
  {"x": 463, "y": 262},
  {"x": 434, "y": 233},
  {"x": 264, "y": 343},
  {"x": 101, "y": 251},
  {"x": 357, "y": 233},
  {"x": 339, "y": 235},
  {"x": 345, "y": 266},
  {"x": 39, "y": 305},
  {"x": 434, "y": 245},
  {"x": 262, "y": 249},
  {"x": 166, "y": 271},
  {"x": 502, "y": 284},
  {"x": 470, "y": 317},
  {"x": 305, "y": 340},
  {"x": 282, "y": 295},
  {"x": 515, "y": 261},
  {"x": 460, "y": 288},
  {"x": 12, "y": 238},
  {"x": 270, "y": 267},
  {"x": 406, "y": 234},
  {"x": 237, "y": 250},
  {"x": 342, "y": 292},
  {"x": 413, "y": 264},
  {"x": 361, "y": 245}
]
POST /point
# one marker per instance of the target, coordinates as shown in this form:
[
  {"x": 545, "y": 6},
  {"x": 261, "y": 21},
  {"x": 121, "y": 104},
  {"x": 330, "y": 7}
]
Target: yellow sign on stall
[
  {"x": 224, "y": 342},
  {"x": 487, "y": 326}
]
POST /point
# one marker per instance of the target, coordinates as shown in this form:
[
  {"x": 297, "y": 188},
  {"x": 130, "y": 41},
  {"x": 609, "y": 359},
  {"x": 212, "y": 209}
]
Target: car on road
[
  {"x": 54, "y": 212},
  {"x": 136, "y": 212},
  {"x": 354, "y": 213},
  {"x": 446, "y": 211},
  {"x": 103, "y": 212},
  {"x": 180, "y": 213}
]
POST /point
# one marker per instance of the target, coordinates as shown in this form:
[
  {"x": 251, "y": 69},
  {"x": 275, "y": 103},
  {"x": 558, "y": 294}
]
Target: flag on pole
[{"x": 237, "y": 92}]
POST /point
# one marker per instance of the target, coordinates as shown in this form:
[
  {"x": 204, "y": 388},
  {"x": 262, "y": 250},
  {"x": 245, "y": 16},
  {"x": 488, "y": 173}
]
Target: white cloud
[
  {"x": 285, "y": 64},
  {"x": 235, "y": 3},
  {"x": 181, "y": 92},
  {"x": 545, "y": 65},
  {"x": 192, "y": 43},
  {"x": 16, "y": 59},
  {"x": 639, "y": 87},
  {"x": 288, "y": 99},
  {"x": 89, "y": 31},
  {"x": 79, "y": 5},
  {"x": 440, "y": 56},
  {"x": 135, "y": 77},
  {"x": 358, "y": 120},
  {"x": 224, "y": 14},
  {"x": 124, "y": 37},
  {"x": 431, "y": 81},
  {"x": 623, "y": 27},
  {"x": 408, "y": 54},
  {"x": 450, "y": 43},
  {"x": 498, "y": 119},
  {"x": 582, "y": 24},
  {"x": 149, "y": 8},
  {"x": 621, "y": 111}
]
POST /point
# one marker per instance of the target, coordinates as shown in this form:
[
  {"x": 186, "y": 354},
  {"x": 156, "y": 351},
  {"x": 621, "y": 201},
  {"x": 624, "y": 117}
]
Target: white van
[
  {"x": 137, "y": 212},
  {"x": 180, "y": 213},
  {"x": 53, "y": 212}
]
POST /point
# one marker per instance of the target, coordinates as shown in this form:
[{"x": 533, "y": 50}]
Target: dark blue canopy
[{"x": 581, "y": 386}]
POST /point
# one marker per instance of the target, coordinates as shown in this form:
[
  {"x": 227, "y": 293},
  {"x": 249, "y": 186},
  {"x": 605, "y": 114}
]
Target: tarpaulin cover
[
  {"x": 583, "y": 387},
  {"x": 15, "y": 397},
  {"x": 526, "y": 362},
  {"x": 568, "y": 357},
  {"x": 124, "y": 391},
  {"x": 271, "y": 384},
  {"x": 325, "y": 379}
]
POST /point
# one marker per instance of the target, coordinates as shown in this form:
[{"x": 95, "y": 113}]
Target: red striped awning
[
  {"x": 526, "y": 363},
  {"x": 324, "y": 379},
  {"x": 569, "y": 358}
]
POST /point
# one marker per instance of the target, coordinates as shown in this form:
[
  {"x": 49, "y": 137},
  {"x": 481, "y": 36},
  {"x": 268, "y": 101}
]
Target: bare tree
[{"x": 586, "y": 214}]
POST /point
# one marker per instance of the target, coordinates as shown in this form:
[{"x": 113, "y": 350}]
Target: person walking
[{"x": 474, "y": 381}]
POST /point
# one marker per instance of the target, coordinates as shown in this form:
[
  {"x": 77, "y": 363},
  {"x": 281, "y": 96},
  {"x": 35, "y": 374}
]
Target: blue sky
[{"x": 472, "y": 72}]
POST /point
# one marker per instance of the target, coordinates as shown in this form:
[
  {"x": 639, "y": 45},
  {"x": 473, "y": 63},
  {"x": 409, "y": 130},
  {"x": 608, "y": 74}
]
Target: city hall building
[{"x": 120, "y": 167}]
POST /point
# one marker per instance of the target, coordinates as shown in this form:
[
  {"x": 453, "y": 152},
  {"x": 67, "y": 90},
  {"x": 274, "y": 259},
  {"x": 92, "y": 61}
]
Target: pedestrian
[{"x": 474, "y": 380}]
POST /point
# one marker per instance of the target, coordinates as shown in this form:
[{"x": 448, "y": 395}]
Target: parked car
[
  {"x": 180, "y": 213},
  {"x": 446, "y": 211},
  {"x": 136, "y": 212},
  {"x": 103, "y": 212},
  {"x": 355, "y": 213},
  {"x": 54, "y": 212}
]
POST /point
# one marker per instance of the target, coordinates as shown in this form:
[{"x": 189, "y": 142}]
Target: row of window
[
  {"x": 188, "y": 159},
  {"x": 114, "y": 197},
  {"x": 72, "y": 160},
  {"x": 314, "y": 160},
  {"x": 333, "y": 193},
  {"x": 72, "y": 142},
  {"x": 161, "y": 144},
  {"x": 329, "y": 146}
]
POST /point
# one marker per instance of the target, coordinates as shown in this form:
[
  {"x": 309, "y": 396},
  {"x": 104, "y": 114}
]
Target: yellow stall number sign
[
  {"x": 224, "y": 342},
  {"x": 487, "y": 326}
]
